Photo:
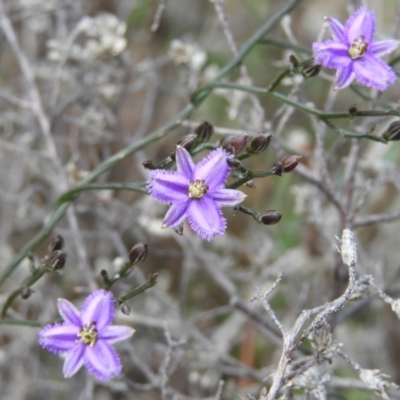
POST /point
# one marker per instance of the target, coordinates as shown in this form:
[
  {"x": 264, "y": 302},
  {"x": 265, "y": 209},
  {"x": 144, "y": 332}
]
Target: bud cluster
[{"x": 56, "y": 257}]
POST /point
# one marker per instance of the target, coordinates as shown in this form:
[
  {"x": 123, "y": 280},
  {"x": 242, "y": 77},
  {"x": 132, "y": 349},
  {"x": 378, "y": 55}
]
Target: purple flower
[
  {"x": 85, "y": 337},
  {"x": 196, "y": 192},
  {"x": 354, "y": 54}
]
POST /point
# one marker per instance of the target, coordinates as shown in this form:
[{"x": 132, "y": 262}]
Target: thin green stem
[
  {"x": 23, "y": 322},
  {"x": 249, "y": 176},
  {"x": 29, "y": 281},
  {"x": 247, "y": 46},
  {"x": 150, "y": 283},
  {"x": 302, "y": 106},
  {"x": 284, "y": 44},
  {"x": 255, "y": 214}
]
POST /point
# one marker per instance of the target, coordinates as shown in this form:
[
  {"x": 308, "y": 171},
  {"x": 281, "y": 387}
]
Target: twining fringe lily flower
[
  {"x": 85, "y": 337},
  {"x": 196, "y": 192},
  {"x": 354, "y": 53}
]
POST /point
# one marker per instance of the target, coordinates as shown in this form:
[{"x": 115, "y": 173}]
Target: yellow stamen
[
  {"x": 358, "y": 48},
  {"x": 197, "y": 189},
  {"x": 88, "y": 334}
]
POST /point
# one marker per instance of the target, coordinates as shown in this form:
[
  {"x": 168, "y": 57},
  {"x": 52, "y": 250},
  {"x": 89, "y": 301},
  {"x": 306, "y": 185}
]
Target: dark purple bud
[
  {"x": 259, "y": 143},
  {"x": 234, "y": 163},
  {"x": 392, "y": 133},
  {"x": 148, "y": 164},
  {"x": 178, "y": 229},
  {"x": 310, "y": 69},
  {"x": 353, "y": 110},
  {"x": 138, "y": 253},
  {"x": 204, "y": 131},
  {"x": 125, "y": 309},
  {"x": 235, "y": 145},
  {"x": 55, "y": 260},
  {"x": 57, "y": 243},
  {"x": 277, "y": 169},
  {"x": 188, "y": 141},
  {"x": 271, "y": 217},
  {"x": 289, "y": 163},
  {"x": 104, "y": 274},
  {"x": 26, "y": 293},
  {"x": 293, "y": 60}
]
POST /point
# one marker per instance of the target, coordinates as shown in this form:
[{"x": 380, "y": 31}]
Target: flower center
[
  {"x": 358, "y": 48},
  {"x": 197, "y": 189},
  {"x": 88, "y": 334}
]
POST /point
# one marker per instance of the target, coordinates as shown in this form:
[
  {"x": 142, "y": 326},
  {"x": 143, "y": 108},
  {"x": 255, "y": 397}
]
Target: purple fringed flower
[
  {"x": 354, "y": 54},
  {"x": 85, "y": 337},
  {"x": 196, "y": 192}
]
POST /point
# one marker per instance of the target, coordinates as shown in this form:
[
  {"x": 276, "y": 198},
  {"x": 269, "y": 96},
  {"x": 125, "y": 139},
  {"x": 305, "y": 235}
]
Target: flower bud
[
  {"x": 138, "y": 253},
  {"x": 57, "y": 243},
  {"x": 153, "y": 278},
  {"x": 26, "y": 293},
  {"x": 271, "y": 217},
  {"x": 204, "y": 131},
  {"x": 125, "y": 309},
  {"x": 188, "y": 141},
  {"x": 55, "y": 260},
  {"x": 277, "y": 169},
  {"x": 393, "y": 132},
  {"x": 289, "y": 163},
  {"x": 234, "y": 163},
  {"x": 148, "y": 164},
  {"x": 104, "y": 275},
  {"x": 259, "y": 143},
  {"x": 236, "y": 144},
  {"x": 251, "y": 184},
  {"x": 178, "y": 229},
  {"x": 353, "y": 110},
  {"x": 310, "y": 69},
  {"x": 293, "y": 60}
]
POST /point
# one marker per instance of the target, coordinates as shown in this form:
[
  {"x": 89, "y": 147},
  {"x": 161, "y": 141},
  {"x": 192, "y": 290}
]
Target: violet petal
[
  {"x": 214, "y": 169},
  {"x": 205, "y": 218},
  {"x": 69, "y": 313},
  {"x": 373, "y": 72},
  {"x": 74, "y": 360},
  {"x": 383, "y": 47},
  {"x": 58, "y": 338},
  {"x": 331, "y": 54},
  {"x": 98, "y": 308},
  {"x": 115, "y": 333},
  {"x": 102, "y": 361},
  {"x": 184, "y": 162},
  {"x": 176, "y": 214},
  {"x": 168, "y": 187},
  {"x": 344, "y": 77},
  {"x": 227, "y": 197},
  {"x": 337, "y": 29},
  {"x": 360, "y": 23}
]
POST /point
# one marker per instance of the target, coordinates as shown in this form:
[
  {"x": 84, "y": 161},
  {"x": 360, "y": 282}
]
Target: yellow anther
[
  {"x": 358, "y": 48},
  {"x": 197, "y": 189}
]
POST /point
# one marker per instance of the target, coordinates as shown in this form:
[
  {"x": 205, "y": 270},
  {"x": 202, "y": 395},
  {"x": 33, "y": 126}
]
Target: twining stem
[
  {"x": 60, "y": 207},
  {"x": 150, "y": 283},
  {"x": 23, "y": 322},
  {"x": 249, "y": 176},
  {"x": 302, "y": 106},
  {"x": 30, "y": 280}
]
